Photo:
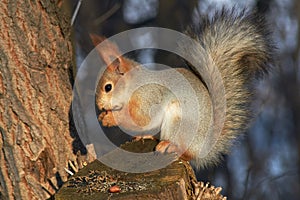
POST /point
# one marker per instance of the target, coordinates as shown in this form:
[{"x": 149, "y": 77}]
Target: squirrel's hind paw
[{"x": 166, "y": 146}]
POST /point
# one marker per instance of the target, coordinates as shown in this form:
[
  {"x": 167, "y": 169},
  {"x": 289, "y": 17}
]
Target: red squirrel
[{"x": 239, "y": 45}]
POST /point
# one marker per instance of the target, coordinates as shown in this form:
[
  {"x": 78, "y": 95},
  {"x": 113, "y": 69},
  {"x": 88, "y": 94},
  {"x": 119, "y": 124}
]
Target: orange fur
[{"x": 138, "y": 116}]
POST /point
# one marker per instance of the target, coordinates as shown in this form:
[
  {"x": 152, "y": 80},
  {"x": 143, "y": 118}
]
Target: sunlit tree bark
[{"x": 35, "y": 98}]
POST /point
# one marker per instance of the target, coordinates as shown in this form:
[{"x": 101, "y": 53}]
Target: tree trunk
[{"x": 35, "y": 98}]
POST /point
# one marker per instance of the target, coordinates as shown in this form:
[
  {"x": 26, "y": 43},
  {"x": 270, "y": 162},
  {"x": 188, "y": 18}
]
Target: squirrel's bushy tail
[
  {"x": 240, "y": 40},
  {"x": 239, "y": 45}
]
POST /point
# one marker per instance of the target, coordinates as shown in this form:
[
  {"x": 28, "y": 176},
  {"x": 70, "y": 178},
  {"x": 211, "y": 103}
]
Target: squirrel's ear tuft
[
  {"x": 111, "y": 55},
  {"x": 96, "y": 39},
  {"x": 108, "y": 50}
]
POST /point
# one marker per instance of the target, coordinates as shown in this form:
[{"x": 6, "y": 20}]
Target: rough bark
[{"x": 35, "y": 98}]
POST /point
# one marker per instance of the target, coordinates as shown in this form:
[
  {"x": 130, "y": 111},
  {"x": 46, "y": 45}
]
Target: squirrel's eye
[{"x": 107, "y": 87}]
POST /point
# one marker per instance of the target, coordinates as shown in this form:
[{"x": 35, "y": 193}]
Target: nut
[{"x": 114, "y": 189}]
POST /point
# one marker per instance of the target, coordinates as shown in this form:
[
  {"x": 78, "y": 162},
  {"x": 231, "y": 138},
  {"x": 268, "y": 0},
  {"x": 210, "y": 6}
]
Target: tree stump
[{"x": 97, "y": 181}]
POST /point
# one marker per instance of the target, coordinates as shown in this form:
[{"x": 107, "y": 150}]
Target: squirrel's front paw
[
  {"x": 107, "y": 119},
  {"x": 144, "y": 137},
  {"x": 166, "y": 146}
]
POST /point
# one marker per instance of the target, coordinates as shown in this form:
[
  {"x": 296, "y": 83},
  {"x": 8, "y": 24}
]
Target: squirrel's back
[{"x": 238, "y": 44}]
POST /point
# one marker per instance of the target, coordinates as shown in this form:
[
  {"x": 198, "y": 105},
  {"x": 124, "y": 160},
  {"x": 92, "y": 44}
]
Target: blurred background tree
[{"x": 265, "y": 163}]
